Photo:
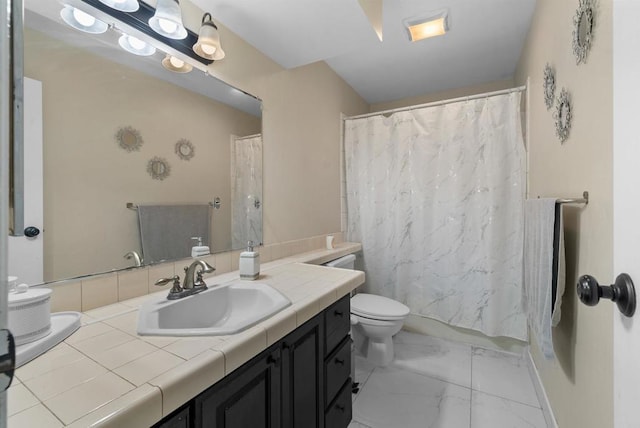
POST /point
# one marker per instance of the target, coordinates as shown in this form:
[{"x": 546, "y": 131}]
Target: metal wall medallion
[
  {"x": 185, "y": 150},
  {"x": 583, "y": 25},
  {"x": 158, "y": 168},
  {"x": 129, "y": 139},
  {"x": 563, "y": 115},
  {"x": 549, "y": 85}
]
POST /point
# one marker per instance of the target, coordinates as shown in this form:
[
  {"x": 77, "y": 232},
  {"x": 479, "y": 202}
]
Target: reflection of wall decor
[
  {"x": 185, "y": 150},
  {"x": 549, "y": 85},
  {"x": 158, "y": 168},
  {"x": 129, "y": 138},
  {"x": 583, "y": 24},
  {"x": 563, "y": 115}
]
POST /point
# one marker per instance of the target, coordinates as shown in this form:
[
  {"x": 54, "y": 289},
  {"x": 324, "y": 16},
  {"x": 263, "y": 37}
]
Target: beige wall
[
  {"x": 579, "y": 382},
  {"x": 89, "y": 179},
  {"x": 443, "y": 95}
]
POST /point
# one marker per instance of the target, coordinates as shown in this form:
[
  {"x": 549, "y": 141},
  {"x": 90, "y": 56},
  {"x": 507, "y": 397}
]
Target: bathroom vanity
[
  {"x": 300, "y": 381},
  {"x": 289, "y": 370}
]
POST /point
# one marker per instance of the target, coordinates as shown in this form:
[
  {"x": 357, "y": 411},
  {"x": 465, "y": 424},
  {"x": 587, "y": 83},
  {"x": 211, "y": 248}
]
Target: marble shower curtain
[
  {"x": 246, "y": 190},
  {"x": 435, "y": 195}
]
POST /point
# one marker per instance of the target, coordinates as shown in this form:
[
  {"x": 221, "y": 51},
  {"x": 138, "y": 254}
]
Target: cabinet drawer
[
  {"x": 337, "y": 369},
  {"x": 339, "y": 412},
  {"x": 337, "y": 323}
]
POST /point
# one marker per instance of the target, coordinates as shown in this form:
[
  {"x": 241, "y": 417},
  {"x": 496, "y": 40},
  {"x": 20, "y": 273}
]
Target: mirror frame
[
  {"x": 563, "y": 121},
  {"x": 549, "y": 85},
  {"x": 582, "y": 45}
]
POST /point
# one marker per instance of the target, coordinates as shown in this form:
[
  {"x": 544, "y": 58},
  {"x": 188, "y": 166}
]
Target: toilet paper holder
[{"x": 622, "y": 292}]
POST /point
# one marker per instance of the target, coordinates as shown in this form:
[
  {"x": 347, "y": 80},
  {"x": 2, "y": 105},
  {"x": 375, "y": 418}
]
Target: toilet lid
[{"x": 377, "y": 307}]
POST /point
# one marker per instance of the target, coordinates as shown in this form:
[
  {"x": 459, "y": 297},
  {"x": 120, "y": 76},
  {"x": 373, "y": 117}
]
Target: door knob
[
  {"x": 622, "y": 292},
  {"x": 31, "y": 232}
]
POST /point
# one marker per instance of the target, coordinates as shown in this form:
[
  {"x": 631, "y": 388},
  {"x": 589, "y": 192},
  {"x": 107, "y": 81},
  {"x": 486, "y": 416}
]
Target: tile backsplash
[{"x": 100, "y": 290}]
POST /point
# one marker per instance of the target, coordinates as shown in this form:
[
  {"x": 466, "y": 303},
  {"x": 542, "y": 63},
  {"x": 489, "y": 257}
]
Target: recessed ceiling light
[{"x": 436, "y": 24}]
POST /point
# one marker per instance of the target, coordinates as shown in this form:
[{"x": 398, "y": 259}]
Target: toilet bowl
[{"x": 376, "y": 320}]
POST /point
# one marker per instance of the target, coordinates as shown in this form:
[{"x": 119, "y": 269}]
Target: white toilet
[{"x": 376, "y": 320}]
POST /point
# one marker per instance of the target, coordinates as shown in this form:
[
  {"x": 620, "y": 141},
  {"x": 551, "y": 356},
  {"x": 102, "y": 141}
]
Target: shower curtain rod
[{"x": 440, "y": 103}]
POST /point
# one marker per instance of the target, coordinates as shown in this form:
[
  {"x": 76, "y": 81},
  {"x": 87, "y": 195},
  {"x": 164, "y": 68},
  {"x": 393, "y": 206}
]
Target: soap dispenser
[
  {"x": 249, "y": 263},
  {"x": 199, "y": 250}
]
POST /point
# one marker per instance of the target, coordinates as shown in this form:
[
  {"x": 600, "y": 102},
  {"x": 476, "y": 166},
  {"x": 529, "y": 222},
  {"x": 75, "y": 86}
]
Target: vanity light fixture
[
  {"x": 208, "y": 44},
  {"x": 176, "y": 65},
  {"x": 135, "y": 46},
  {"x": 82, "y": 21},
  {"x": 436, "y": 24},
  {"x": 122, "y": 5},
  {"x": 167, "y": 20}
]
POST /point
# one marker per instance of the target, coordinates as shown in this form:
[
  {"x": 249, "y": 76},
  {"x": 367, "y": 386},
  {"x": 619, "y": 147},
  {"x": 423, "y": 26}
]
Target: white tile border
[{"x": 547, "y": 411}]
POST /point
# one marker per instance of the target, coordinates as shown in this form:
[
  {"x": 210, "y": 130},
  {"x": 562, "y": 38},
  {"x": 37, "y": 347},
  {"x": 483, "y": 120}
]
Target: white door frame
[{"x": 626, "y": 205}]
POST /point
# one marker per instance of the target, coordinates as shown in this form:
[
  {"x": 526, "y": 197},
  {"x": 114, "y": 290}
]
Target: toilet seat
[{"x": 377, "y": 307}]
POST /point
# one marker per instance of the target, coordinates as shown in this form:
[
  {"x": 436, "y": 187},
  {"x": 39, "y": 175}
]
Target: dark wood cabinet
[
  {"x": 248, "y": 398},
  {"x": 302, "y": 381}
]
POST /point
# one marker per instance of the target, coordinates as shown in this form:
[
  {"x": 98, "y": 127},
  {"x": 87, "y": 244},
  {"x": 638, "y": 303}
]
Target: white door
[
  {"x": 626, "y": 205},
  {"x": 26, "y": 253}
]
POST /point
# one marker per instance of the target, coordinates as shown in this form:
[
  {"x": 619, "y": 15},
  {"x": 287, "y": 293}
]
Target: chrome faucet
[
  {"x": 134, "y": 255},
  {"x": 193, "y": 282},
  {"x": 193, "y": 276}
]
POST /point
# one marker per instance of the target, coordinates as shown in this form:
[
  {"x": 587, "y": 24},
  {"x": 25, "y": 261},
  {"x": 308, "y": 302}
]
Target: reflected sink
[{"x": 220, "y": 310}]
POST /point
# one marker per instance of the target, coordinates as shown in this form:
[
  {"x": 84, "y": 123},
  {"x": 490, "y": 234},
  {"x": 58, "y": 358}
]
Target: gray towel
[{"x": 166, "y": 230}]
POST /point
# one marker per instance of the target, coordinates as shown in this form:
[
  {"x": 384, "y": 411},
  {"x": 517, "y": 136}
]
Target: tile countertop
[{"x": 106, "y": 375}]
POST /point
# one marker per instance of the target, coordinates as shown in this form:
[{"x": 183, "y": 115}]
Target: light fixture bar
[
  {"x": 424, "y": 28},
  {"x": 139, "y": 20}
]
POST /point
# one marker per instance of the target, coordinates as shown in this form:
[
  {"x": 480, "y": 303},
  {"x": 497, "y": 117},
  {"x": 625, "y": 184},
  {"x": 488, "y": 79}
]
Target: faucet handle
[{"x": 176, "y": 283}]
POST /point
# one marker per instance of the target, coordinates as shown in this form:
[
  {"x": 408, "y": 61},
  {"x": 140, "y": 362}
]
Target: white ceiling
[{"x": 483, "y": 45}]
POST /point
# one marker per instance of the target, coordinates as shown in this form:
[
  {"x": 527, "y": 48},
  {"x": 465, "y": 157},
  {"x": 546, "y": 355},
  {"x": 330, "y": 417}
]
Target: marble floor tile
[
  {"x": 432, "y": 356},
  {"x": 356, "y": 424},
  {"x": 489, "y": 411},
  {"x": 392, "y": 397},
  {"x": 362, "y": 372},
  {"x": 504, "y": 375}
]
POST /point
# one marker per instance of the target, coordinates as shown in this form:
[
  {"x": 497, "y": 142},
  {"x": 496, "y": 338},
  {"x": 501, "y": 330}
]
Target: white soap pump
[
  {"x": 249, "y": 263},
  {"x": 199, "y": 250}
]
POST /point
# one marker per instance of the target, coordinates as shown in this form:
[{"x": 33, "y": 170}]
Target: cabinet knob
[
  {"x": 338, "y": 313},
  {"x": 273, "y": 360},
  {"x": 340, "y": 407},
  {"x": 339, "y": 361}
]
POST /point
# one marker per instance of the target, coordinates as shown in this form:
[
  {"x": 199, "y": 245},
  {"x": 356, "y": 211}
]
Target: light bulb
[
  {"x": 167, "y": 26},
  {"x": 136, "y": 43},
  {"x": 83, "y": 18},
  {"x": 177, "y": 63},
  {"x": 208, "y": 49}
]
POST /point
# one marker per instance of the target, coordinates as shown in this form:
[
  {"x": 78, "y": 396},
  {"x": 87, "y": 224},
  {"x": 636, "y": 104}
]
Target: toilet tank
[{"x": 346, "y": 262}]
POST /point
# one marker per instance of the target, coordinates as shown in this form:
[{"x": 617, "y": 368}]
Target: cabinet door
[
  {"x": 302, "y": 380},
  {"x": 179, "y": 419},
  {"x": 249, "y": 397}
]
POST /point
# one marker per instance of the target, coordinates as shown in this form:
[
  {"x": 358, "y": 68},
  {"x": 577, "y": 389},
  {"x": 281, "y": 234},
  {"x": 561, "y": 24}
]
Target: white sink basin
[{"x": 220, "y": 310}]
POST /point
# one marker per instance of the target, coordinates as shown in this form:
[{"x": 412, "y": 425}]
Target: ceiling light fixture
[
  {"x": 167, "y": 20},
  {"x": 122, "y": 5},
  {"x": 176, "y": 65},
  {"x": 435, "y": 25},
  {"x": 208, "y": 44},
  {"x": 82, "y": 21},
  {"x": 135, "y": 46}
]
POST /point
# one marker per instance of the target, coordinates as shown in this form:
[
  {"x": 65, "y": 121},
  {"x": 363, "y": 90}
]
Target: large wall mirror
[{"x": 92, "y": 90}]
